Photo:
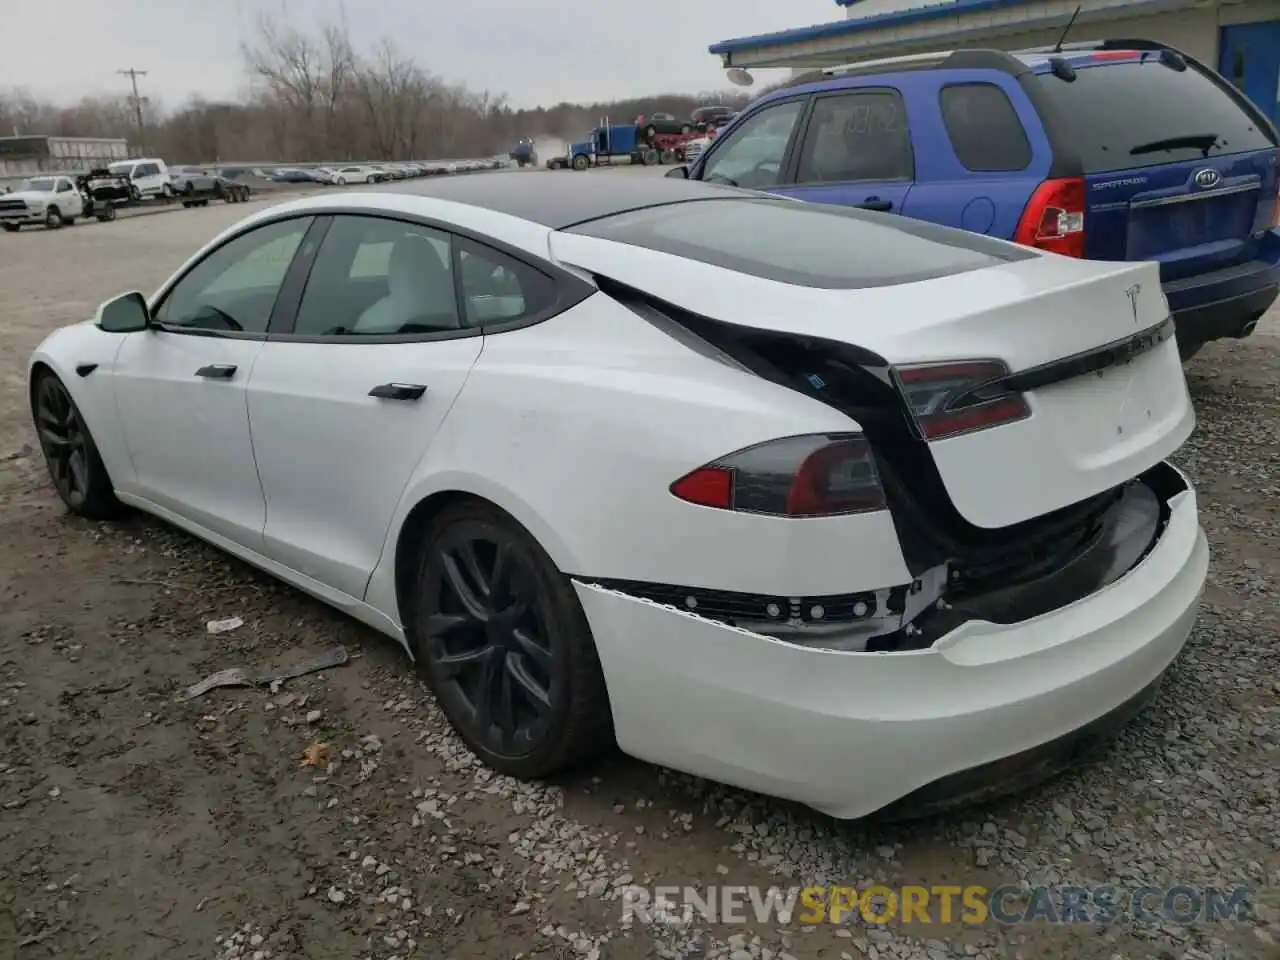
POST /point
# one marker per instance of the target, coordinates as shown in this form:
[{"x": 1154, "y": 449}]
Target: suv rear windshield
[
  {"x": 806, "y": 244},
  {"x": 1125, "y": 115}
]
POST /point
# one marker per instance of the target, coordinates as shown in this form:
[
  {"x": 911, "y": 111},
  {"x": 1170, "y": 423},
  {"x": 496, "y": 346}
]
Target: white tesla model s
[{"x": 827, "y": 504}]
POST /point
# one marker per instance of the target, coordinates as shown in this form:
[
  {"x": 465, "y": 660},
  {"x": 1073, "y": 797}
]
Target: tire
[
  {"x": 553, "y": 662},
  {"x": 186, "y": 204},
  {"x": 189, "y": 189},
  {"x": 52, "y": 219},
  {"x": 166, "y": 191},
  {"x": 11, "y": 227},
  {"x": 580, "y": 162},
  {"x": 1188, "y": 350},
  {"x": 134, "y": 193},
  {"x": 64, "y": 437}
]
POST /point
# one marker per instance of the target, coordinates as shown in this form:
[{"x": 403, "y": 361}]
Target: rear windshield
[
  {"x": 810, "y": 245},
  {"x": 1125, "y": 115}
]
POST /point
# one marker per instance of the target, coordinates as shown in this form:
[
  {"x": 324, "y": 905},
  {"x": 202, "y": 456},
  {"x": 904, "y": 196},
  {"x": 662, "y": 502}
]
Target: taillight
[
  {"x": 948, "y": 399},
  {"x": 1054, "y": 218},
  {"x": 809, "y": 476},
  {"x": 1113, "y": 55}
]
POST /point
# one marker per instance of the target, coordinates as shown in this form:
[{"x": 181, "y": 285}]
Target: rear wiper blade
[{"x": 1202, "y": 141}]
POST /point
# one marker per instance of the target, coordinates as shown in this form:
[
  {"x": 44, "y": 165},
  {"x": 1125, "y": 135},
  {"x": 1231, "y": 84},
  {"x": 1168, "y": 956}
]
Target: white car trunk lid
[{"x": 1087, "y": 433}]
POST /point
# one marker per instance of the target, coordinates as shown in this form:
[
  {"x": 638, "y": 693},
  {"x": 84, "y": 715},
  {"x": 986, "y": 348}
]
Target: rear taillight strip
[{"x": 1090, "y": 361}]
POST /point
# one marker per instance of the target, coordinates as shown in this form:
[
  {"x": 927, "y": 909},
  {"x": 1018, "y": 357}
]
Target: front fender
[{"x": 81, "y": 346}]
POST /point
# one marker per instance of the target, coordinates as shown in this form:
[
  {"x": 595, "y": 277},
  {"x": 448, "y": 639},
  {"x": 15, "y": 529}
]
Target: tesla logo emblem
[
  {"x": 1208, "y": 177},
  {"x": 1132, "y": 294}
]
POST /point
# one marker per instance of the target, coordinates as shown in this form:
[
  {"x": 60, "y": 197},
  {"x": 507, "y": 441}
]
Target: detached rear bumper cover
[{"x": 850, "y": 733}]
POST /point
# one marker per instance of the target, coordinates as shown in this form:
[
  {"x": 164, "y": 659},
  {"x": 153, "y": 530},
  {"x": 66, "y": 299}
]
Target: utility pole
[{"x": 137, "y": 103}]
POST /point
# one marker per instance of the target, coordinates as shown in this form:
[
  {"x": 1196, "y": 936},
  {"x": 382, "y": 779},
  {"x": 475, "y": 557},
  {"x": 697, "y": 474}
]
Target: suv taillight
[
  {"x": 950, "y": 398},
  {"x": 809, "y": 476},
  {"x": 1054, "y": 218}
]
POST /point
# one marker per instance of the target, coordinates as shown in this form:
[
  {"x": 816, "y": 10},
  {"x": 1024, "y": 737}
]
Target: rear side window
[
  {"x": 984, "y": 128},
  {"x": 809, "y": 245},
  {"x": 857, "y": 136},
  {"x": 1124, "y": 115}
]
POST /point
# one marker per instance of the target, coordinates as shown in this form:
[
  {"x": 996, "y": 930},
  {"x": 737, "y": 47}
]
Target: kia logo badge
[{"x": 1208, "y": 177}]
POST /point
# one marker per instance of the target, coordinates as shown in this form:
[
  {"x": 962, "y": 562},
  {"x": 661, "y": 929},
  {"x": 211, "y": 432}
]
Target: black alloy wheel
[
  {"x": 69, "y": 451},
  {"x": 505, "y": 647}
]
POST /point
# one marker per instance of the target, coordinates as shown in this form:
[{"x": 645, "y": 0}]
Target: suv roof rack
[
  {"x": 975, "y": 59},
  {"x": 1115, "y": 44}
]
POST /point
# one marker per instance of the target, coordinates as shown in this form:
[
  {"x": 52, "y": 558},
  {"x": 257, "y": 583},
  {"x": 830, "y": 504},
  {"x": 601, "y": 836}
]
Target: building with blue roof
[{"x": 1241, "y": 38}]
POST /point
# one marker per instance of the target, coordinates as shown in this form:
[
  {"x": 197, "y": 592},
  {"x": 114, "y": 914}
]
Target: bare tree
[{"x": 315, "y": 98}]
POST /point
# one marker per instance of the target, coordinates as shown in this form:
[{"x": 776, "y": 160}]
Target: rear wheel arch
[{"x": 412, "y": 534}]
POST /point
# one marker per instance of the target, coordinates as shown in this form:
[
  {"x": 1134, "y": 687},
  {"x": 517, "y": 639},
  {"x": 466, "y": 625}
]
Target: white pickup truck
[{"x": 53, "y": 201}]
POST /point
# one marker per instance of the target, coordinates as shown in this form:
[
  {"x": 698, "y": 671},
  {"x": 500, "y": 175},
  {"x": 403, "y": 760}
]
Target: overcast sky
[{"x": 535, "y": 52}]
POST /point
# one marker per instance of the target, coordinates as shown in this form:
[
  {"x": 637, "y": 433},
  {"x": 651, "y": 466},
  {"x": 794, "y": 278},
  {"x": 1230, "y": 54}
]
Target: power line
[{"x": 137, "y": 102}]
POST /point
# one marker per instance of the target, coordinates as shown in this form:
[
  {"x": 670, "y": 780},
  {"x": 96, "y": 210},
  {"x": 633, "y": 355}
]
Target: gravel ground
[{"x": 134, "y": 827}]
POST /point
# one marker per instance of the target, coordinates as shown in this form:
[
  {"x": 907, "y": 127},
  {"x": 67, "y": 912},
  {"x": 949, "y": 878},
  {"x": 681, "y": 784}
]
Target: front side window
[
  {"x": 857, "y": 136},
  {"x": 374, "y": 276},
  {"x": 64, "y": 186},
  {"x": 752, "y": 155},
  {"x": 235, "y": 288}
]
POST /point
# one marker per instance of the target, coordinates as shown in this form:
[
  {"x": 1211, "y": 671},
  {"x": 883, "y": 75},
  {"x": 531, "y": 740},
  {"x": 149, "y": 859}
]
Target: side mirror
[
  {"x": 127, "y": 313},
  {"x": 678, "y": 173}
]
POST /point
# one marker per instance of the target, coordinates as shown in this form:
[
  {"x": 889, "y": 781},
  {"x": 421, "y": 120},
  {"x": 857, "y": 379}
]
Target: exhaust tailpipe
[{"x": 1247, "y": 329}]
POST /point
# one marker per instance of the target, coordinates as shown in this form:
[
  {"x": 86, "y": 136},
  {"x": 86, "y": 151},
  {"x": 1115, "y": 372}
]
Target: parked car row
[{"x": 376, "y": 172}]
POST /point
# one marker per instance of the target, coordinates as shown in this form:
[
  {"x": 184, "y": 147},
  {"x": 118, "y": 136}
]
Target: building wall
[
  {"x": 66, "y": 155},
  {"x": 1194, "y": 31}
]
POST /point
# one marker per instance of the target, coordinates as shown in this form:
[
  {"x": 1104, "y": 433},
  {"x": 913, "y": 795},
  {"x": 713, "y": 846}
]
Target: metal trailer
[
  {"x": 671, "y": 146},
  {"x": 228, "y": 192}
]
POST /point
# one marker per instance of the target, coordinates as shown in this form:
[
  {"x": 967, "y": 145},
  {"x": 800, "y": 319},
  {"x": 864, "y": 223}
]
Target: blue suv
[{"x": 1115, "y": 150}]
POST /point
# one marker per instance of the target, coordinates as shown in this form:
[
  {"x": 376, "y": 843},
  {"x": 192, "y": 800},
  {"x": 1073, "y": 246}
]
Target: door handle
[
  {"x": 398, "y": 391},
  {"x": 217, "y": 371},
  {"x": 875, "y": 203}
]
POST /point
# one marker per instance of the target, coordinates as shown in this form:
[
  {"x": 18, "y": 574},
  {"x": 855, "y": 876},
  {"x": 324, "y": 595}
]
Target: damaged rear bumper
[{"x": 851, "y": 733}]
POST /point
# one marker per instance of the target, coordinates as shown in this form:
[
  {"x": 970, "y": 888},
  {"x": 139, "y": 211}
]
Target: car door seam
[
  {"x": 253, "y": 447},
  {"x": 408, "y": 480}
]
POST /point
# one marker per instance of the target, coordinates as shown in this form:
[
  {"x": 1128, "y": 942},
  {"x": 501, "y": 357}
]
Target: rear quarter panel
[
  {"x": 945, "y": 191},
  {"x": 578, "y": 426}
]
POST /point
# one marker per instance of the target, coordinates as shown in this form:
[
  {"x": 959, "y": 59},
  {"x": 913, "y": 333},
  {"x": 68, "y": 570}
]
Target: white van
[{"x": 149, "y": 175}]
